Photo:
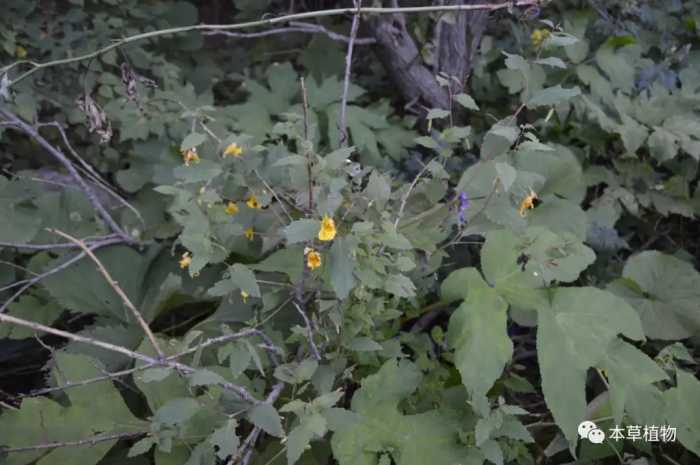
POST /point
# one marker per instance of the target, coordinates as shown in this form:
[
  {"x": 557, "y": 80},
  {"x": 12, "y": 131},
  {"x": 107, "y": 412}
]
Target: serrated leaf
[
  {"x": 574, "y": 330},
  {"x": 239, "y": 277},
  {"x": 375, "y": 424},
  {"x": 666, "y": 295},
  {"x": 478, "y": 333},
  {"x": 265, "y": 416},
  {"x": 225, "y": 439},
  {"x": 341, "y": 267}
]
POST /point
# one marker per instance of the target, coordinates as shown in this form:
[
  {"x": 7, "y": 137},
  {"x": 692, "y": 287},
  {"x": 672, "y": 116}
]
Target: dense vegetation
[{"x": 331, "y": 232}]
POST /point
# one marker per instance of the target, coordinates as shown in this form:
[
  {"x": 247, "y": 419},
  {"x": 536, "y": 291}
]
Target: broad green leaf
[
  {"x": 341, "y": 266},
  {"x": 683, "y": 403},
  {"x": 80, "y": 288},
  {"x": 225, "y": 439},
  {"x": 239, "y": 277},
  {"x": 310, "y": 427},
  {"x": 478, "y": 333},
  {"x": 466, "y": 101},
  {"x": 266, "y": 417},
  {"x": 176, "y": 411},
  {"x": 459, "y": 283},
  {"x": 665, "y": 291},
  {"x": 628, "y": 369},
  {"x": 574, "y": 331},
  {"x": 375, "y": 424},
  {"x": 61, "y": 423},
  {"x": 301, "y": 230},
  {"x": 193, "y": 140}
]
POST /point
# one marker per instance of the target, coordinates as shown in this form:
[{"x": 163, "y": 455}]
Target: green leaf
[
  {"x": 310, "y": 427},
  {"x": 378, "y": 189},
  {"x": 141, "y": 447},
  {"x": 478, "y": 333},
  {"x": 665, "y": 291},
  {"x": 302, "y": 230},
  {"x": 176, "y": 411},
  {"x": 193, "y": 140},
  {"x": 499, "y": 139},
  {"x": 628, "y": 370},
  {"x": 437, "y": 113},
  {"x": 466, "y": 101},
  {"x": 239, "y": 277},
  {"x": 458, "y": 284},
  {"x": 574, "y": 331},
  {"x": 225, "y": 440},
  {"x": 375, "y": 424},
  {"x": 683, "y": 403},
  {"x": 67, "y": 422},
  {"x": 400, "y": 286},
  {"x": 552, "y": 96},
  {"x": 266, "y": 417},
  {"x": 341, "y": 266}
]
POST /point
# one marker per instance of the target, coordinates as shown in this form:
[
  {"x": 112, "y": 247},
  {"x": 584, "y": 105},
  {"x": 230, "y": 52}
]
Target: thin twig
[
  {"x": 114, "y": 285},
  {"x": 251, "y": 24},
  {"x": 81, "y": 442},
  {"x": 294, "y": 26},
  {"x": 408, "y": 193},
  {"x": 91, "y": 173},
  {"x": 309, "y": 332},
  {"x": 348, "y": 71},
  {"x": 274, "y": 194},
  {"x": 118, "y": 374},
  {"x": 26, "y": 284},
  {"x": 240, "y": 390},
  {"x": 64, "y": 245},
  {"x": 60, "y": 156}
]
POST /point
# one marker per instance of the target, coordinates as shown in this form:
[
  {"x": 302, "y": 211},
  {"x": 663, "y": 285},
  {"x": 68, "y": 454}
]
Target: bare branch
[
  {"x": 60, "y": 156},
  {"x": 91, "y": 441},
  {"x": 294, "y": 26},
  {"x": 251, "y": 24},
  {"x": 309, "y": 332},
  {"x": 26, "y": 284},
  {"x": 115, "y": 285},
  {"x": 348, "y": 72},
  {"x": 240, "y": 390}
]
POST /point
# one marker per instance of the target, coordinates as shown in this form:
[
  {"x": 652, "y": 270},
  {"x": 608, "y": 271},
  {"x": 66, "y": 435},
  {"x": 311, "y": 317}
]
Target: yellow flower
[
  {"x": 244, "y": 296},
  {"x": 528, "y": 203},
  {"x": 20, "y": 52},
  {"x": 313, "y": 259},
  {"x": 231, "y": 208},
  {"x": 252, "y": 202},
  {"x": 249, "y": 233},
  {"x": 233, "y": 149},
  {"x": 538, "y": 36},
  {"x": 185, "y": 260},
  {"x": 190, "y": 156},
  {"x": 327, "y": 231}
]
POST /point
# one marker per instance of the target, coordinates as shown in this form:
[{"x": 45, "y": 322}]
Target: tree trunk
[{"x": 457, "y": 44}]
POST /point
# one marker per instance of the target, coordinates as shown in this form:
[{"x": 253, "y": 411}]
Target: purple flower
[{"x": 463, "y": 205}]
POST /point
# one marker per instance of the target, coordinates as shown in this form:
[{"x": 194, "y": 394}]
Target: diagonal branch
[
  {"x": 61, "y": 157},
  {"x": 239, "y": 390},
  {"x": 115, "y": 285},
  {"x": 78, "y": 443},
  {"x": 348, "y": 71}
]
